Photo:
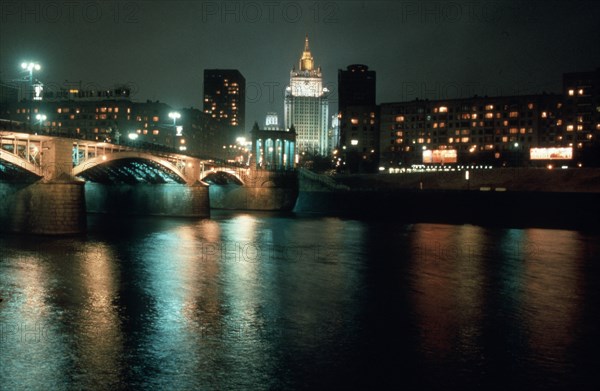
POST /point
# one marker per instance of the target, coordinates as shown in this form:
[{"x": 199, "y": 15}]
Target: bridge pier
[
  {"x": 177, "y": 200},
  {"x": 45, "y": 208}
]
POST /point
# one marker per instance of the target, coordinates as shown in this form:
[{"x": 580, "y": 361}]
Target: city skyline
[{"x": 419, "y": 50}]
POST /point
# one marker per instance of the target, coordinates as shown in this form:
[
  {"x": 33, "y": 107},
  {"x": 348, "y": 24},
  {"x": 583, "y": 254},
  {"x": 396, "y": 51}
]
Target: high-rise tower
[
  {"x": 307, "y": 105},
  {"x": 225, "y": 102}
]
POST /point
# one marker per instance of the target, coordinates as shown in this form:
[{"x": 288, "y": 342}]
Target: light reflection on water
[{"x": 263, "y": 301}]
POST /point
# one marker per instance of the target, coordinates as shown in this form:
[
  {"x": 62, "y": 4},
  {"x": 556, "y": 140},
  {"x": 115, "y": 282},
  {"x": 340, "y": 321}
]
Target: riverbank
[
  {"x": 507, "y": 197},
  {"x": 574, "y": 180}
]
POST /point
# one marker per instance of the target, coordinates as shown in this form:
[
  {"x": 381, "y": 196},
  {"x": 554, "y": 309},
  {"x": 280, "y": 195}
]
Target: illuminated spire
[{"x": 306, "y": 62}]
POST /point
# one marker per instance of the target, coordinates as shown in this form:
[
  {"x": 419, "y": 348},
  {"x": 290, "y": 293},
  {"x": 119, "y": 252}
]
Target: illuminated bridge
[{"x": 48, "y": 183}]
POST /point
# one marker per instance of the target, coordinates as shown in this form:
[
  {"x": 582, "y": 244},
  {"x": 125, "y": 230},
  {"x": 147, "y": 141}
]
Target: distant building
[
  {"x": 306, "y": 106},
  {"x": 581, "y": 113},
  {"x": 358, "y": 118},
  {"x": 225, "y": 102},
  {"x": 356, "y": 86},
  {"x": 111, "y": 116},
  {"x": 480, "y": 130},
  {"x": 272, "y": 122}
]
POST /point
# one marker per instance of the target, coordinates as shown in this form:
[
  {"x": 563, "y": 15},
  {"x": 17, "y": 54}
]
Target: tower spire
[{"x": 306, "y": 62}]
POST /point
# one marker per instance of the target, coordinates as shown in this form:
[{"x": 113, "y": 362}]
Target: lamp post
[
  {"x": 30, "y": 67},
  {"x": 174, "y": 115},
  {"x": 41, "y": 118}
]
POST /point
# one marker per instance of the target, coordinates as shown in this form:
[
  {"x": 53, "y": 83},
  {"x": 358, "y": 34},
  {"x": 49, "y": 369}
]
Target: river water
[{"x": 284, "y": 301}]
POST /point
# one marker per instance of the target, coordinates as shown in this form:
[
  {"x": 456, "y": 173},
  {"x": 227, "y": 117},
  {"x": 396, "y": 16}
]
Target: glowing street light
[
  {"x": 41, "y": 118},
  {"x": 174, "y": 115},
  {"x": 30, "y": 67}
]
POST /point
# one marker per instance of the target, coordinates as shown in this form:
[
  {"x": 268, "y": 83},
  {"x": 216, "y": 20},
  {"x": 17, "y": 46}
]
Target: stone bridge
[{"x": 47, "y": 184}]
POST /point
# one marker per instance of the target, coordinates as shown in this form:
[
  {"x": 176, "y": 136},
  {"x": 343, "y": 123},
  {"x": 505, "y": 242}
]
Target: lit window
[
  {"x": 465, "y": 140},
  {"x": 579, "y": 127},
  {"x": 571, "y": 92},
  {"x": 443, "y": 109},
  {"x": 155, "y": 119},
  {"x": 544, "y": 114},
  {"x": 580, "y": 91},
  {"x": 59, "y": 110},
  {"x": 489, "y": 115},
  {"x": 489, "y": 107},
  {"x": 155, "y": 132},
  {"x": 474, "y": 116},
  {"x": 400, "y": 118},
  {"x": 513, "y": 114},
  {"x": 569, "y": 128},
  {"x": 530, "y": 106}
]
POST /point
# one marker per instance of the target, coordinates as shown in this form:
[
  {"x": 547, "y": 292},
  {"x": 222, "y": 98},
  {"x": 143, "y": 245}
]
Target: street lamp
[
  {"x": 175, "y": 116},
  {"x": 41, "y": 118},
  {"x": 30, "y": 67}
]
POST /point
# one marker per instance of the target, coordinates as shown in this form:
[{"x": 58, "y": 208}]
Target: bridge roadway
[{"x": 48, "y": 184}]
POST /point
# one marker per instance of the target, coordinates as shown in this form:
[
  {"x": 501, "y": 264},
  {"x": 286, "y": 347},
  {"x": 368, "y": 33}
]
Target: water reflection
[{"x": 269, "y": 302}]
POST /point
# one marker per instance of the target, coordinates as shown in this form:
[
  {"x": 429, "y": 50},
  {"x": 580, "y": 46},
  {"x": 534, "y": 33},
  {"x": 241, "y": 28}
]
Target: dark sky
[{"x": 434, "y": 49}]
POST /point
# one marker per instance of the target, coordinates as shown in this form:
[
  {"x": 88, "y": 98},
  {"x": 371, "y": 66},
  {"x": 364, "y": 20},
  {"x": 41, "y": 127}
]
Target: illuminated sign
[
  {"x": 551, "y": 153},
  {"x": 439, "y": 156},
  {"x": 179, "y": 129}
]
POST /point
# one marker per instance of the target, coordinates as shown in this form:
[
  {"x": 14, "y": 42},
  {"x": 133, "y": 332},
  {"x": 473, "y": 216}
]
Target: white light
[
  {"x": 467, "y": 175},
  {"x": 354, "y": 142},
  {"x": 174, "y": 115},
  {"x": 37, "y": 67},
  {"x": 516, "y": 145},
  {"x": 381, "y": 168},
  {"x": 133, "y": 136},
  {"x": 24, "y": 65},
  {"x": 41, "y": 117}
]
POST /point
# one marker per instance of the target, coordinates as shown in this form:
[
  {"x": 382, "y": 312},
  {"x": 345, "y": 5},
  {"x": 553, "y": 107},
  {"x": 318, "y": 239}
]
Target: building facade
[
  {"x": 225, "y": 102},
  {"x": 358, "y": 118},
  {"x": 306, "y": 106},
  {"x": 526, "y": 130},
  {"x": 495, "y": 130},
  {"x": 111, "y": 116}
]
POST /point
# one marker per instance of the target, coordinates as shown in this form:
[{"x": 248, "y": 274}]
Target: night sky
[{"x": 418, "y": 49}]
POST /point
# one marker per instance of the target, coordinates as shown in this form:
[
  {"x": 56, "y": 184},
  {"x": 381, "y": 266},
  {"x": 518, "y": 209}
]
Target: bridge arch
[
  {"x": 222, "y": 175},
  {"x": 179, "y": 173}
]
